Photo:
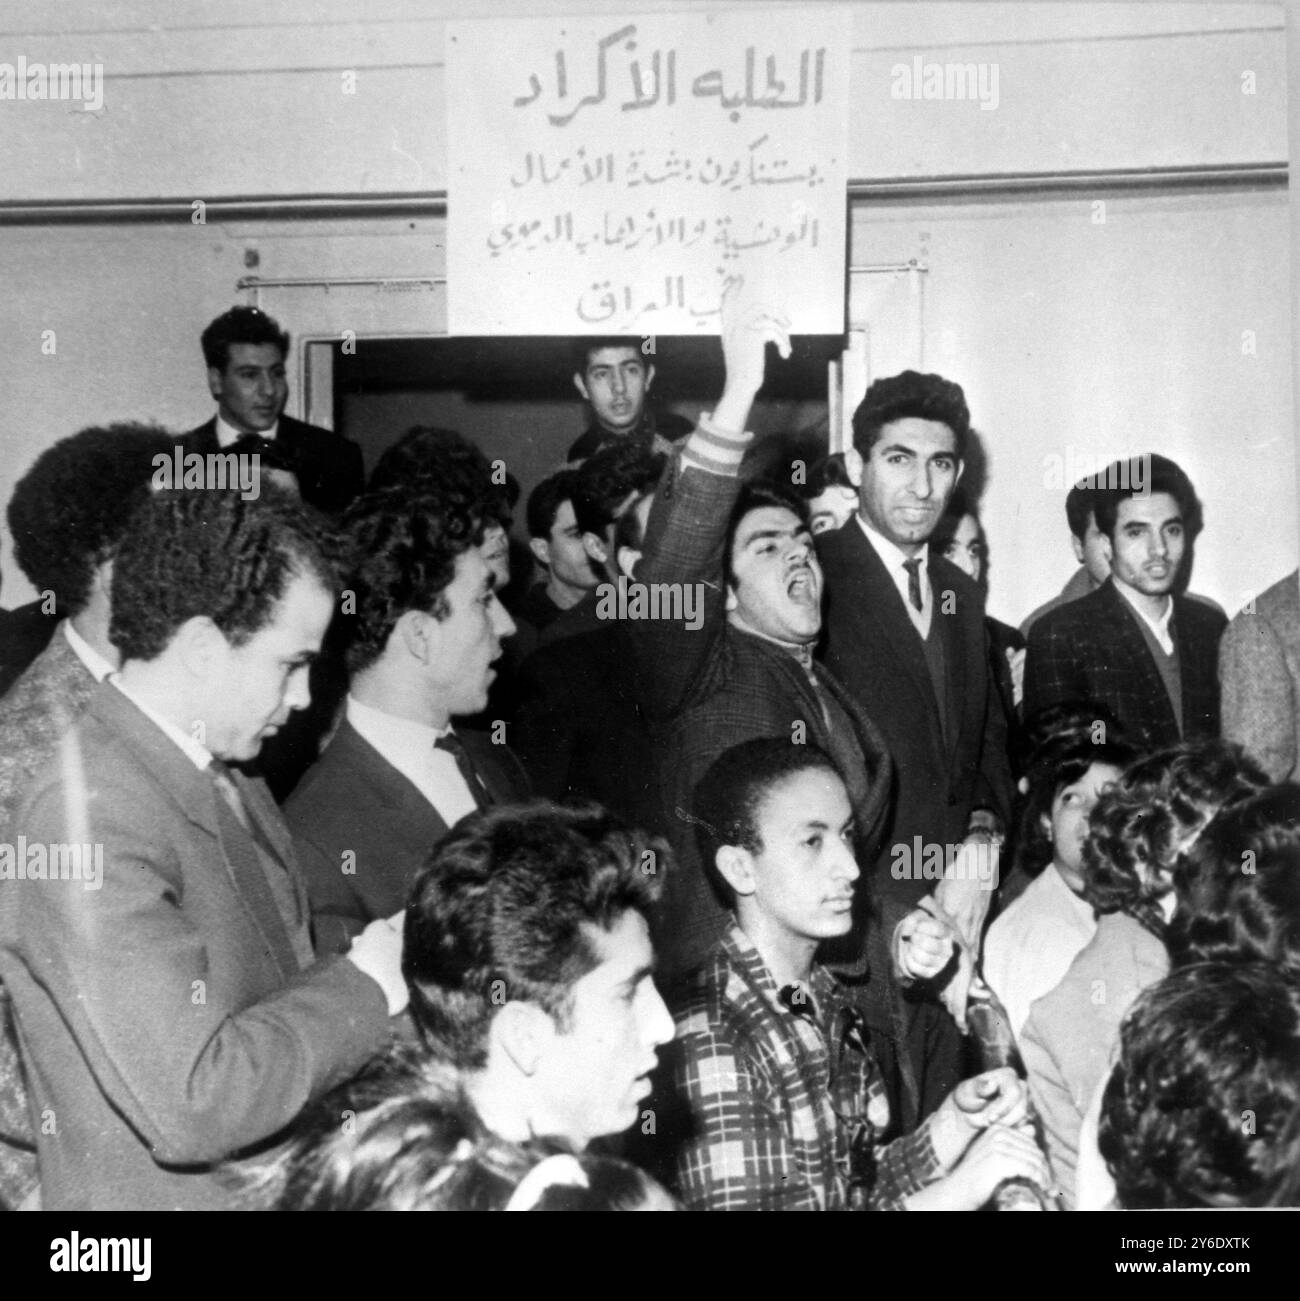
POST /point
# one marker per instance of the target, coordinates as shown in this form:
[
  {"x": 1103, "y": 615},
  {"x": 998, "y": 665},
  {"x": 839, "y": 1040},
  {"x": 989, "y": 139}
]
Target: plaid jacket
[
  {"x": 1093, "y": 649},
  {"x": 785, "y": 1098}
]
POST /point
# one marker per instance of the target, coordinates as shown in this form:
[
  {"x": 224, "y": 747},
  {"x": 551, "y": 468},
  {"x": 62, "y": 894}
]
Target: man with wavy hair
[{"x": 169, "y": 1007}]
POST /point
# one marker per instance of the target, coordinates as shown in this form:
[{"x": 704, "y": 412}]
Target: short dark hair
[
  {"x": 729, "y": 798},
  {"x": 911, "y": 394},
  {"x": 505, "y": 896},
  {"x": 1080, "y": 503},
  {"x": 402, "y": 545},
  {"x": 545, "y": 500},
  {"x": 755, "y": 494},
  {"x": 207, "y": 552},
  {"x": 1199, "y": 1051},
  {"x": 828, "y": 472},
  {"x": 69, "y": 511},
  {"x": 447, "y": 461},
  {"x": 605, "y": 481},
  {"x": 1239, "y": 885},
  {"x": 581, "y": 349},
  {"x": 240, "y": 325},
  {"x": 1145, "y": 476},
  {"x": 1057, "y": 762},
  {"x": 1147, "y": 817}
]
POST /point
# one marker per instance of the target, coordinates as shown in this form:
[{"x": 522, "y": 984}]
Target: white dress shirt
[
  {"x": 1159, "y": 627},
  {"x": 198, "y": 754},
  {"x": 96, "y": 665},
  {"x": 409, "y": 747},
  {"x": 893, "y": 559},
  {"x": 228, "y": 434}
]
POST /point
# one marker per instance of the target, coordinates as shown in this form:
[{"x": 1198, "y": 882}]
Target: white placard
[{"x": 615, "y": 176}]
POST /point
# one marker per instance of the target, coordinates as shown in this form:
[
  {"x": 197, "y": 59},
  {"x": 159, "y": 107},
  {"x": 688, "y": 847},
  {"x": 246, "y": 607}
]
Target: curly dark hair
[
  {"x": 505, "y": 896},
  {"x": 209, "y": 552},
  {"x": 828, "y": 472},
  {"x": 240, "y": 325},
  {"x": 402, "y": 545},
  {"x": 69, "y": 511},
  {"x": 1147, "y": 818},
  {"x": 1060, "y": 760},
  {"x": 545, "y": 500},
  {"x": 729, "y": 798},
  {"x": 445, "y": 461},
  {"x": 1238, "y": 886},
  {"x": 1197, "y": 1108},
  {"x": 911, "y": 395},
  {"x": 606, "y": 480}
]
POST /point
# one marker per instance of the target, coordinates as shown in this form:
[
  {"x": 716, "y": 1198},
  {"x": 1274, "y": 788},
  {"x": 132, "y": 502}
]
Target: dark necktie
[
  {"x": 913, "y": 568},
  {"x": 229, "y": 792},
  {"x": 454, "y": 746}
]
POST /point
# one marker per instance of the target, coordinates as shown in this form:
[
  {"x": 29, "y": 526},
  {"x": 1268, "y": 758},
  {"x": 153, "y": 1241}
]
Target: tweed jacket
[
  {"x": 362, "y": 830},
  {"x": 1259, "y": 671},
  {"x": 1093, "y": 649},
  {"x": 38, "y": 709},
  {"x": 170, "y": 1015}
]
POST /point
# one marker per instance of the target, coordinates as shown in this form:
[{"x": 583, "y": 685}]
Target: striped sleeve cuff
[{"x": 715, "y": 450}]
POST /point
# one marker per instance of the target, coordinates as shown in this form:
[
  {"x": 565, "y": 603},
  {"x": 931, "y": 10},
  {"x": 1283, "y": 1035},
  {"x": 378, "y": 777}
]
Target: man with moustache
[
  {"x": 426, "y": 629},
  {"x": 1134, "y": 644},
  {"x": 745, "y": 669},
  {"x": 905, "y": 633}
]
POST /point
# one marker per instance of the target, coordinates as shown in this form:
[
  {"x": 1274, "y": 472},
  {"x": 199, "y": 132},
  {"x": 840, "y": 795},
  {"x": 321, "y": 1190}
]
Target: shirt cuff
[{"x": 715, "y": 450}]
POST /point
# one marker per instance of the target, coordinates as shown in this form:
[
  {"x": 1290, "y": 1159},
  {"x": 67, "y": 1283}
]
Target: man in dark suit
[
  {"x": 905, "y": 633},
  {"x": 1134, "y": 644},
  {"x": 68, "y": 514},
  {"x": 245, "y": 351},
  {"x": 154, "y": 936},
  {"x": 743, "y": 668},
  {"x": 397, "y": 775}
]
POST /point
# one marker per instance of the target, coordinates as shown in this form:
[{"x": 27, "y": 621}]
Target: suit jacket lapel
[
  {"x": 1131, "y": 649},
  {"x": 387, "y": 786},
  {"x": 882, "y": 605}
]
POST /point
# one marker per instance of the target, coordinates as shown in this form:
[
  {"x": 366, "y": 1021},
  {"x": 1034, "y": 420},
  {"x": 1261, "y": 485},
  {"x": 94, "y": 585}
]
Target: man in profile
[
  {"x": 245, "y": 351},
  {"x": 169, "y": 1007},
  {"x": 528, "y": 958}
]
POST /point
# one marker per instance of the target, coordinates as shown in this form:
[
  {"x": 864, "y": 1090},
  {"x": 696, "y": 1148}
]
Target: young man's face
[
  {"x": 1147, "y": 548},
  {"x": 906, "y": 480},
  {"x": 467, "y": 639},
  {"x": 803, "y": 875},
  {"x": 615, "y": 382},
  {"x": 1068, "y": 823},
  {"x": 564, "y": 554},
  {"x": 257, "y": 686},
  {"x": 776, "y": 587},
  {"x": 966, "y": 547},
  {"x": 833, "y": 508},
  {"x": 252, "y": 390},
  {"x": 592, "y": 1075},
  {"x": 1093, "y": 553}
]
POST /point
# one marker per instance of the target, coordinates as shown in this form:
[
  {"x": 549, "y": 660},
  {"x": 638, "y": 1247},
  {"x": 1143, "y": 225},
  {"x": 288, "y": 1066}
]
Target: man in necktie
[
  {"x": 169, "y": 1008},
  {"x": 426, "y": 629},
  {"x": 905, "y": 634}
]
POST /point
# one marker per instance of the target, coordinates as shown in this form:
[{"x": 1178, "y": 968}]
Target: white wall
[{"x": 1123, "y": 336}]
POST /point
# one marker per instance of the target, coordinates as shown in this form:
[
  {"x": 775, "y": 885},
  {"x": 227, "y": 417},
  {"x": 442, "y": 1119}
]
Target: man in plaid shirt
[{"x": 786, "y": 1102}]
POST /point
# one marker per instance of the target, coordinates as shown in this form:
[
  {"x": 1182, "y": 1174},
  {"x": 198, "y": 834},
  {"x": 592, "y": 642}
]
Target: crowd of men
[{"x": 740, "y": 861}]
